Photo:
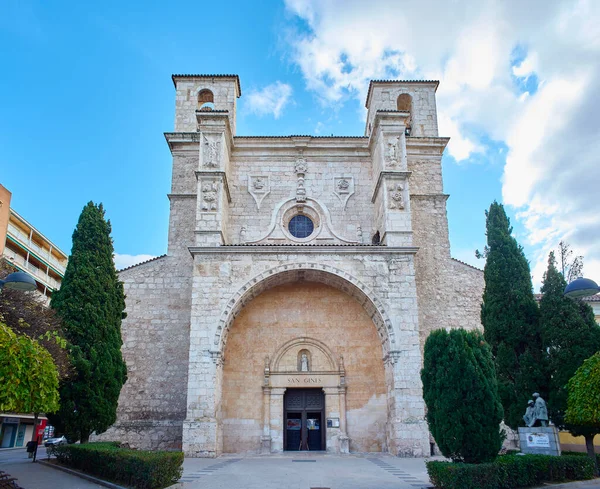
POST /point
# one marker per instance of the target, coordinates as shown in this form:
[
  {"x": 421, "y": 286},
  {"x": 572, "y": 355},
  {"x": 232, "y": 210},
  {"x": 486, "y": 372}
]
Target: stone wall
[{"x": 152, "y": 404}]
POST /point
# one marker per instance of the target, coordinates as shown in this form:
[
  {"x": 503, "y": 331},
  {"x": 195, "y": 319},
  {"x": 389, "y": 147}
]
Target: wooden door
[{"x": 304, "y": 418}]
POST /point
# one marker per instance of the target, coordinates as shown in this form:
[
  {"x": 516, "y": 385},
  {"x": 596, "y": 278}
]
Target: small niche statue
[{"x": 304, "y": 363}]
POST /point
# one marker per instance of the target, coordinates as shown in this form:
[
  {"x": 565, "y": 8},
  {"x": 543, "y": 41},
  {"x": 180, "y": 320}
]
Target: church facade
[{"x": 302, "y": 277}]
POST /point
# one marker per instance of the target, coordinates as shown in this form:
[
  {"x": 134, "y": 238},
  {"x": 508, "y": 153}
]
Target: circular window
[{"x": 301, "y": 226}]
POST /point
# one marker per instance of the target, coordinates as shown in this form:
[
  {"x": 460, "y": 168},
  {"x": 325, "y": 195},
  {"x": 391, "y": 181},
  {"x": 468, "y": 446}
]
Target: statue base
[{"x": 540, "y": 440}]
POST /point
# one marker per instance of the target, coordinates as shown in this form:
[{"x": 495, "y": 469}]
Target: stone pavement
[{"x": 37, "y": 476}]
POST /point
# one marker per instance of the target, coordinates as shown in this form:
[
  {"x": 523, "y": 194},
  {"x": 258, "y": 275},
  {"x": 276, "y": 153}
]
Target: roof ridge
[
  {"x": 142, "y": 263},
  {"x": 467, "y": 264}
]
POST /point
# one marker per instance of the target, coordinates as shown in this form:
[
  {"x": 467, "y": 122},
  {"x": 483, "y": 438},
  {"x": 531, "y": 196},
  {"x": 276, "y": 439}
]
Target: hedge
[
  {"x": 136, "y": 468},
  {"x": 510, "y": 472}
]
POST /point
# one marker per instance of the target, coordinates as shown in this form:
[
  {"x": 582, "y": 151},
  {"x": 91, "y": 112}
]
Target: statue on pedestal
[
  {"x": 529, "y": 416},
  {"x": 540, "y": 409}
]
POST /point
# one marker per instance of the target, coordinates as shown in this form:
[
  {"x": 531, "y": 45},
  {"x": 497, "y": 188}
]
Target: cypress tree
[
  {"x": 510, "y": 317},
  {"x": 570, "y": 334},
  {"x": 90, "y": 303},
  {"x": 461, "y": 393}
]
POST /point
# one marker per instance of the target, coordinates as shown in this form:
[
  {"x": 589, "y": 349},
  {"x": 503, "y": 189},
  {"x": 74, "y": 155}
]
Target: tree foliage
[
  {"x": 28, "y": 376},
  {"x": 461, "y": 393},
  {"x": 570, "y": 267},
  {"x": 90, "y": 303},
  {"x": 510, "y": 317},
  {"x": 570, "y": 334},
  {"x": 26, "y": 314},
  {"x": 583, "y": 411}
]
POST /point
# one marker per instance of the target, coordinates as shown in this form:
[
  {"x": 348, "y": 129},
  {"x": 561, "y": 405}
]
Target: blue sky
[{"x": 86, "y": 93}]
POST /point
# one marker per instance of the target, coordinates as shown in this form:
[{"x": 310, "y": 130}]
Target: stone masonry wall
[{"x": 152, "y": 403}]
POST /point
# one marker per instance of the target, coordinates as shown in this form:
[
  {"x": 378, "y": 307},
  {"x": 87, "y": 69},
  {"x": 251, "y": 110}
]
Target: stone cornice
[
  {"x": 404, "y": 175},
  {"x": 181, "y": 196},
  {"x": 442, "y": 197},
  {"x": 304, "y": 249}
]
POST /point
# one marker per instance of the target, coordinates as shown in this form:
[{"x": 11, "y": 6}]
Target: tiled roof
[
  {"x": 300, "y": 244},
  {"x": 301, "y": 136},
  {"x": 593, "y": 298},
  {"x": 237, "y": 79},
  {"x": 397, "y": 81},
  {"x": 142, "y": 263},
  {"x": 470, "y": 266}
]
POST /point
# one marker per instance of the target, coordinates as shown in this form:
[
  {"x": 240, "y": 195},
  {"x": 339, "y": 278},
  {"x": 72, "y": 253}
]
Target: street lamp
[
  {"x": 581, "y": 287},
  {"x": 18, "y": 281}
]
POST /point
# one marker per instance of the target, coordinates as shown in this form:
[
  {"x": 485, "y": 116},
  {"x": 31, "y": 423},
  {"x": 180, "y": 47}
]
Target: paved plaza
[
  {"x": 305, "y": 471},
  {"x": 285, "y": 471}
]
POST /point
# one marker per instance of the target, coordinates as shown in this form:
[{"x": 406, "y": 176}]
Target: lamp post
[
  {"x": 581, "y": 287},
  {"x": 18, "y": 281}
]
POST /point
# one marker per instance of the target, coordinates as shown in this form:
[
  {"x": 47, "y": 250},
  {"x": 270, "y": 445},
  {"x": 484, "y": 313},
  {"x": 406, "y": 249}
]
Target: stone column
[
  {"x": 343, "y": 438},
  {"x": 276, "y": 421},
  {"x": 265, "y": 439},
  {"x": 201, "y": 430}
]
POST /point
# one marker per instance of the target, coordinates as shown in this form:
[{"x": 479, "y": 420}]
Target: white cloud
[
  {"x": 124, "y": 261},
  {"x": 552, "y": 176},
  {"x": 270, "y": 100}
]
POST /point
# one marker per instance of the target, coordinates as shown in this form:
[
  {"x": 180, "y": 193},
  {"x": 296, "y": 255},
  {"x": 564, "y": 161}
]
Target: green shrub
[
  {"x": 135, "y": 468},
  {"x": 509, "y": 472},
  {"x": 461, "y": 394}
]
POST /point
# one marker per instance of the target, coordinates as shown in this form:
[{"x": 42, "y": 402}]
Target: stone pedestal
[{"x": 539, "y": 440}]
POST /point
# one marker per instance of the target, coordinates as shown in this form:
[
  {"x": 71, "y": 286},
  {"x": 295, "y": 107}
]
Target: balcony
[
  {"x": 44, "y": 254},
  {"x": 34, "y": 271}
]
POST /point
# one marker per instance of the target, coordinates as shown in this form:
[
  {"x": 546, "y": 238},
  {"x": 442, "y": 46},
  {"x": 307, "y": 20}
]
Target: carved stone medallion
[
  {"x": 210, "y": 191},
  {"x": 396, "y": 194}
]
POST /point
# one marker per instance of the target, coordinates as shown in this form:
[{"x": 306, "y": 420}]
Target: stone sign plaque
[
  {"x": 304, "y": 379},
  {"x": 538, "y": 440},
  {"x": 541, "y": 440}
]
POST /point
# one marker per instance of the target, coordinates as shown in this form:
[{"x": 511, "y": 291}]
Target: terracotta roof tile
[
  {"x": 237, "y": 79},
  {"x": 142, "y": 263},
  {"x": 397, "y": 81}
]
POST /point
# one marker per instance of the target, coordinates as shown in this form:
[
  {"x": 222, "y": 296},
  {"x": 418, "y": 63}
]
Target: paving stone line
[
  {"x": 404, "y": 476},
  {"x": 207, "y": 470}
]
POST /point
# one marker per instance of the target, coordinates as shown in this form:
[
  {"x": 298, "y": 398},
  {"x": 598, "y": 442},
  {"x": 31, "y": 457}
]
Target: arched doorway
[{"x": 263, "y": 366}]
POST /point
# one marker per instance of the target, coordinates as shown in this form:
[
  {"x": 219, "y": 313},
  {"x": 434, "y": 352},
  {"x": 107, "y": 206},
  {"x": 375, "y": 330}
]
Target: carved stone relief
[
  {"x": 300, "y": 168},
  {"x": 211, "y": 151},
  {"x": 396, "y": 194},
  {"x": 392, "y": 151},
  {"x": 259, "y": 187},
  {"x": 359, "y": 234},
  {"x": 343, "y": 188},
  {"x": 210, "y": 193}
]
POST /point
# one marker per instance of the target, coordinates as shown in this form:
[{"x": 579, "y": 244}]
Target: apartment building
[{"x": 28, "y": 249}]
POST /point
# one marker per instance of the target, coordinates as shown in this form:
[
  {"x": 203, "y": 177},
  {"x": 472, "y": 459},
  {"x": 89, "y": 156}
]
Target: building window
[{"x": 301, "y": 226}]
